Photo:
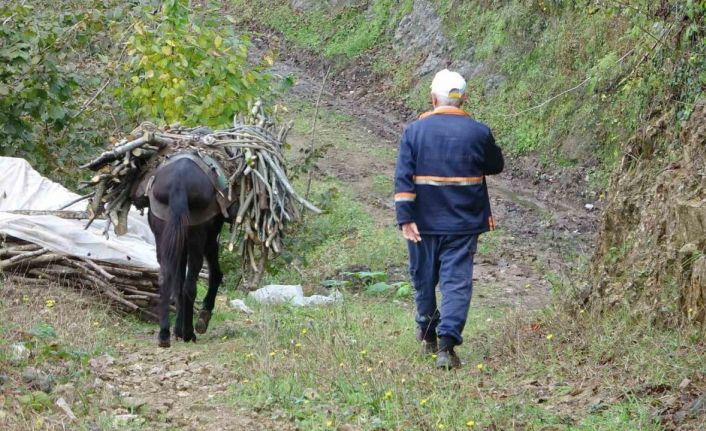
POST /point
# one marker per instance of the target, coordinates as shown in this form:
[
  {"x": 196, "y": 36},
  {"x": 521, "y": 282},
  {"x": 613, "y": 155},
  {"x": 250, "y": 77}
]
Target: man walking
[{"x": 442, "y": 205}]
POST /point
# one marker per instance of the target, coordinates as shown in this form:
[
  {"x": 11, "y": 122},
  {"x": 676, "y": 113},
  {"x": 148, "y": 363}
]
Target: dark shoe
[
  {"x": 447, "y": 359},
  {"x": 428, "y": 342}
]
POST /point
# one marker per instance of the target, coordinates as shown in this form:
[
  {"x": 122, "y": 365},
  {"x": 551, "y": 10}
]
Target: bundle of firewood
[
  {"x": 252, "y": 156},
  {"x": 132, "y": 289}
]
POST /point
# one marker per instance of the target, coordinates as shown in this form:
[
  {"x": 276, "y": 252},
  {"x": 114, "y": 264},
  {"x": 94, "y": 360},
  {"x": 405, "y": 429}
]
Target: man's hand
[{"x": 410, "y": 232}]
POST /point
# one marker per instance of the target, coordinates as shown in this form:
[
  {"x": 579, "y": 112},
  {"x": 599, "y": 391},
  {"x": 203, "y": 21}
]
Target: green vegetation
[
  {"x": 345, "y": 32},
  {"x": 183, "y": 70},
  {"x": 567, "y": 81},
  {"x": 357, "y": 363}
]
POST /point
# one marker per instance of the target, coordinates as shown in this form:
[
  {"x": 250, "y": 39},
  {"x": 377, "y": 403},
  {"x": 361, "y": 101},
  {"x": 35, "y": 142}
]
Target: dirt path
[
  {"x": 541, "y": 229},
  {"x": 177, "y": 388}
]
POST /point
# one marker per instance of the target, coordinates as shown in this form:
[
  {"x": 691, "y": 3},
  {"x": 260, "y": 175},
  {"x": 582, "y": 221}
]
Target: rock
[
  {"x": 45, "y": 383},
  {"x": 30, "y": 374},
  {"x": 239, "y": 305},
  {"x": 101, "y": 362},
  {"x": 420, "y": 37},
  {"x": 172, "y": 374},
  {"x": 696, "y": 408},
  {"x": 589, "y": 207},
  {"x": 684, "y": 384},
  {"x": 36, "y": 379},
  {"x": 18, "y": 352},
  {"x": 3, "y": 379},
  {"x": 64, "y": 406}
]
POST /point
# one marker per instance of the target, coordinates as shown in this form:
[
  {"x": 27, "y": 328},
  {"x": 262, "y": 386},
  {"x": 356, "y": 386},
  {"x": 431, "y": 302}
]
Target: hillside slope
[{"x": 578, "y": 91}]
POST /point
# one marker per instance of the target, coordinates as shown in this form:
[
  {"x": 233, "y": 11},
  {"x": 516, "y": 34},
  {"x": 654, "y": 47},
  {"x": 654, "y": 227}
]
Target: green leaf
[
  {"x": 43, "y": 330},
  {"x": 57, "y": 112},
  {"x": 404, "y": 291},
  {"x": 378, "y": 288}
]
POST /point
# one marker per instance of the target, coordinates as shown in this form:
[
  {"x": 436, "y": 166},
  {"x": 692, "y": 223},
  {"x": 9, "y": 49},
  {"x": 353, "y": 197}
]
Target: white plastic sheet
[
  {"x": 23, "y": 188},
  {"x": 292, "y": 294}
]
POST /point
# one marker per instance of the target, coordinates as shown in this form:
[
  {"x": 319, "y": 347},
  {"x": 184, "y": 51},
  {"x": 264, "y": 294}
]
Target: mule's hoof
[
  {"x": 191, "y": 338},
  {"x": 202, "y": 323},
  {"x": 164, "y": 343},
  {"x": 201, "y": 326}
]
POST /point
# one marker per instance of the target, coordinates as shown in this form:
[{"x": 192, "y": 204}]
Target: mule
[{"x": 186, "y": 223}]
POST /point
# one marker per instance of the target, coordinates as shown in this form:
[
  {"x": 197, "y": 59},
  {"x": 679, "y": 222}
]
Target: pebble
[
  {"x": 684, "y": 384},
  {"x": 20, "y": 352},
  {"x": 589, "y": 206},
  {"x": 36, "y": 379}
]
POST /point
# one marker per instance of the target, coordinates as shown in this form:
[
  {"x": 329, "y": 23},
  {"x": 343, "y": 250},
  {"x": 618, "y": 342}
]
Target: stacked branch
[
  {"x": 261, "y": 196},
  {"x": 131, "y": 289}
]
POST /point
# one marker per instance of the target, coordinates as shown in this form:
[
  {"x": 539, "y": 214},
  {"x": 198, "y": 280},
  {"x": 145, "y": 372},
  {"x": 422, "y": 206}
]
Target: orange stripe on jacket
[
  {"x": 447, "y": 180},
  {"x": 445, "y": 110},
  {"x": 405, "y": 197}
]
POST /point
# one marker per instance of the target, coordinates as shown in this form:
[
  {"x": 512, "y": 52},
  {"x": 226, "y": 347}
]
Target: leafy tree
[
  {"x": 34, "y": 92},
  {"x": 181, "y": 70}
]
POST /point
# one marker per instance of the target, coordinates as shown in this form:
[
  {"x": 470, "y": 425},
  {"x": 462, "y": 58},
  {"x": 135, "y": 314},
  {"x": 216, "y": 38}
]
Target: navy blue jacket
[{"x": 440, "y": 176}]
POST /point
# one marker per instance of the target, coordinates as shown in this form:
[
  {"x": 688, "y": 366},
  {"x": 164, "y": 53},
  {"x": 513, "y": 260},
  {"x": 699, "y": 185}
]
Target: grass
[{"x": 357, "y": 364}]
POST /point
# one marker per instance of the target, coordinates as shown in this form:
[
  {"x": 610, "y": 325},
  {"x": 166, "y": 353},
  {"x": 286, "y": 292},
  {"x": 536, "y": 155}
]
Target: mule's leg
[
  {"x": 215, "y": 276},
  {"x": 189, "y": 293},
  {"x": 165, "y": 291},
  {"x": 178, "y": 296}
]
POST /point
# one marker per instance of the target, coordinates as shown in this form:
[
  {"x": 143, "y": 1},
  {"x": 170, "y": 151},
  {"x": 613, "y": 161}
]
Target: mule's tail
[{"x": 173, "y": 238}]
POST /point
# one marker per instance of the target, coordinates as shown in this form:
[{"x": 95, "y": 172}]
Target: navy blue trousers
[{"x": 446, "y": 260}]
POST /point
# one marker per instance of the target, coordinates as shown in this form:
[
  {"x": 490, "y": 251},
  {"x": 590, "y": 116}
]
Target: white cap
[{"x": 448, "y": 84}]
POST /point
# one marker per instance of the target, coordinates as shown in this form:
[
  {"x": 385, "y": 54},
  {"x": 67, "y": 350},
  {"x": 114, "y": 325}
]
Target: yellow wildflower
[
  {"x": 480, "y": 366},
  {"x": 423, "y": 402},
  {"x": 471, "y": 424},
  {"x": 50, "y": 303},
  {"x": 388, "y": 395},
  {"x": 550, "y": 336}
]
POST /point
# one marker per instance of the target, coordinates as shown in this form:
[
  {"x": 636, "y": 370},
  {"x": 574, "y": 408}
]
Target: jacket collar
[{"x": 444, "y": 110}]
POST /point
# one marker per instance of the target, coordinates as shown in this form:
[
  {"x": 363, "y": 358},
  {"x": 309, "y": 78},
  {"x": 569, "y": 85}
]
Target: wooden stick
[
  {"x": 65, "y": 214},
  {"x": 78, "y": 199},
  {"x": 21, "y": 257},
  {"x": 97, "y": 268}
]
